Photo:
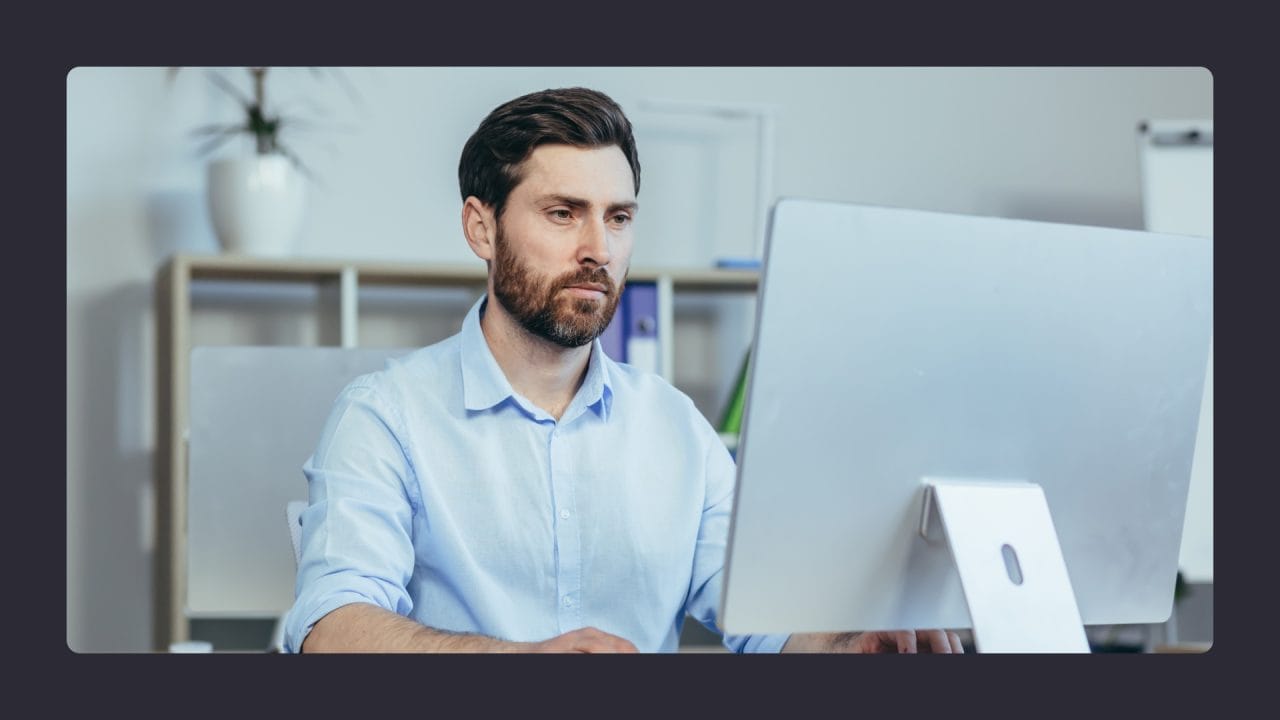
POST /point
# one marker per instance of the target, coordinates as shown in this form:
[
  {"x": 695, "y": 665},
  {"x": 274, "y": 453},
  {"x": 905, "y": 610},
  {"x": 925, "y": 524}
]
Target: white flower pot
[{"x": 256, "y": 204}]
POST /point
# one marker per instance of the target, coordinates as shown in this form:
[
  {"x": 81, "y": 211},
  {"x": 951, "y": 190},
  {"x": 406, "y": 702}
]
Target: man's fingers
[
  {"x": 940, "y": 641},
  {"x": 598, "y": 641},
  {"x": 615, "y": 644},
  {"x": 907, "y": 642},
  {"x": 931, "y": 641}
]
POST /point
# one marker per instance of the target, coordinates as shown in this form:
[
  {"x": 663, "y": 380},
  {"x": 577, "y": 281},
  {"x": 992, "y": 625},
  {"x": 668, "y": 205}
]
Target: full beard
[{"x": 543, "y": 310}]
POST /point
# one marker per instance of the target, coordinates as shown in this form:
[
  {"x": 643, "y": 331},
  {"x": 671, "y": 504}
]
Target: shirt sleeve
[
  {"x": 356, "y": 531},
  {"x": 710, "y": 554}
]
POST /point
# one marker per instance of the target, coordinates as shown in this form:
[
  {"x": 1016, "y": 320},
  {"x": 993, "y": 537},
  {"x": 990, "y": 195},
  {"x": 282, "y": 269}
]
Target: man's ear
[{"x": 479, "y": 226}]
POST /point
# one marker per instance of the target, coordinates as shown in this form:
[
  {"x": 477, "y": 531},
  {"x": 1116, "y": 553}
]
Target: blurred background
[{"x": 381, "y": 147}]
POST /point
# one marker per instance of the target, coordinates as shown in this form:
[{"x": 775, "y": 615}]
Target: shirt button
[
  {"x": 567, "y": 601},
  {"x": 564, "y": 514}
]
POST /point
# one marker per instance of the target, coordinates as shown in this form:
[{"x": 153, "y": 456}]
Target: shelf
[{"x": 382, "y": 272}]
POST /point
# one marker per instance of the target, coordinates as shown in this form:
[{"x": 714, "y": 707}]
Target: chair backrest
[
  {"x": 293, "y": 514},
  {"x": 255, "y": 415}
]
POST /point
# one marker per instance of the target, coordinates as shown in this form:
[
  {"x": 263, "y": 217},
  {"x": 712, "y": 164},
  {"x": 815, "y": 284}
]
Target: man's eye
[
  {"x": 562, "y": 214},
  {"x": 622, "y": 219}
]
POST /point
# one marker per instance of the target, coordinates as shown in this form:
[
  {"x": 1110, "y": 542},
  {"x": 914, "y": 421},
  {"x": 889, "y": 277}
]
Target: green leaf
[
  {"x": 209, "y": 129},
  {"x": 213, "y": 144},
  {"x": 230, "y": 89},
  {"x": 342, "y": 80}
]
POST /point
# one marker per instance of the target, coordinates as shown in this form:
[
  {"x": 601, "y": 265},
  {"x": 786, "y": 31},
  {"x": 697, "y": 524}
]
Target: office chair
[{"x": 293, "y": 517}]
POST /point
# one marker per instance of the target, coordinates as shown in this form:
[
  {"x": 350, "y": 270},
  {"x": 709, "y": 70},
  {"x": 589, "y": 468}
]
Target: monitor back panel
[{"x": 895, "y": 345}]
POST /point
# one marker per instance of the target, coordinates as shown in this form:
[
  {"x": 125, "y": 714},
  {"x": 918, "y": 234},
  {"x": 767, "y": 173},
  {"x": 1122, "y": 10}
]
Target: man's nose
[{"x": 593, "y": 245}]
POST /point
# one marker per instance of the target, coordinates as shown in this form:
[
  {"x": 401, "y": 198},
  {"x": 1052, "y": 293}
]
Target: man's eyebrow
[{"x": 581, "y": 203}]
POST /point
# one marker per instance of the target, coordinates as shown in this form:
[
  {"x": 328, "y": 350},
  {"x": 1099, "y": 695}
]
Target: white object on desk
[{"x": 191, "y": 646}]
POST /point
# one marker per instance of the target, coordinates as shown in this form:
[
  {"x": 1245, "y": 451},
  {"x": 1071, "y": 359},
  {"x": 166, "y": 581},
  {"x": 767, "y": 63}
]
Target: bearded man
[{"x": 512, "y": 488}]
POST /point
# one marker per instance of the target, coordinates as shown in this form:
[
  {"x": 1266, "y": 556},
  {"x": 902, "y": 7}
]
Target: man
[{"x": 511, "y": 488}]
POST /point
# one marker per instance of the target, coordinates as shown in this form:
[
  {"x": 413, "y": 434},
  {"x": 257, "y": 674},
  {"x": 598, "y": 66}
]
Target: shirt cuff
[{"x": 756, "y": 643}]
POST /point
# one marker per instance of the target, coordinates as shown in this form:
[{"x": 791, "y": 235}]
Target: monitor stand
[{"x": 1011, "y": 568}]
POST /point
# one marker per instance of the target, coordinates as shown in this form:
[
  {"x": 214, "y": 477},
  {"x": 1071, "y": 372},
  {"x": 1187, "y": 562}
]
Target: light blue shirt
[{"x": 440, "y": 493}]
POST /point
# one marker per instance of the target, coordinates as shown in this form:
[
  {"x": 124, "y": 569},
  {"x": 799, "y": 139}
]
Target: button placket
[{"x": 568, "y": 542}]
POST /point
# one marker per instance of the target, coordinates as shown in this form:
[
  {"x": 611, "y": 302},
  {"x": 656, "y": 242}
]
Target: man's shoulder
[
  {"x": 646, "y": 401},
  {"x": 630, "y": 381},
  {"x": 422, "y": 369}
]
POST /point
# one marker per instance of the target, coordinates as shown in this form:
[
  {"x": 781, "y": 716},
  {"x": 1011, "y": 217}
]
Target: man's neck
[{"x": 548, "y": 374}]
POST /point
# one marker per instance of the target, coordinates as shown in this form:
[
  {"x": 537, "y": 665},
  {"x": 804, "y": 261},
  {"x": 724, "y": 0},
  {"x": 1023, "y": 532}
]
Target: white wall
[{"x": 1055, "y": 144}]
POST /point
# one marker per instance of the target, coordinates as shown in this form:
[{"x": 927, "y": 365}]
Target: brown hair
[{"x": 491, "y": 159}]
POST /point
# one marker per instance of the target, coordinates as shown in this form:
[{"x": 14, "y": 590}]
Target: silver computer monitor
[{"x": 898, "y": 348}]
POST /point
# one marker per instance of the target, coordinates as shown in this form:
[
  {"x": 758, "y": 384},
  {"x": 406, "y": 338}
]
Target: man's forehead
[{"x": 598, "y": 174}]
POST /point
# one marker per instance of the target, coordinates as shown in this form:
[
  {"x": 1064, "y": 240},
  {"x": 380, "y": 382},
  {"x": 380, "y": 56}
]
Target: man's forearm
[
  {"x": 818, "y": 642},
  {"x": 361, "y": 627}
]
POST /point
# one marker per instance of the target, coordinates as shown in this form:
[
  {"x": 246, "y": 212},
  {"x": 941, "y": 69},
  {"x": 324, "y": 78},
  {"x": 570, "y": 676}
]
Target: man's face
[{"x": 564, "y": 242}]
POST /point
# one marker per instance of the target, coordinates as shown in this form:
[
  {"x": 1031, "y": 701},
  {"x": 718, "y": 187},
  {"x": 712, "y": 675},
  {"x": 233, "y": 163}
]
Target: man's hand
[
  {"x": 584, "y": 640},
  {"x": 900, "y": 641}
]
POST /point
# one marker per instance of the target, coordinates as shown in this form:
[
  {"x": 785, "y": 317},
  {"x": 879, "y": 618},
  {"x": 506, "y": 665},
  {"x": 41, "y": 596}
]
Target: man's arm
[
  {"x": 361, "y": 627},
  {"x": 902, "y": 641}
]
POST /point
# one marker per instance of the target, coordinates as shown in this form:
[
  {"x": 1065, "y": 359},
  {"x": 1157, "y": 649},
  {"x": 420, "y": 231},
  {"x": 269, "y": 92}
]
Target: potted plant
[{"x": 256, "y": 202}]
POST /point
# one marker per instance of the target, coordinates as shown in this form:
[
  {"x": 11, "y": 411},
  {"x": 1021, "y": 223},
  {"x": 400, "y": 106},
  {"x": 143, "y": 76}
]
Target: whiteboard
[
  {"x": 256, "y": 416},
  {"x": 1176, "y": 158}
]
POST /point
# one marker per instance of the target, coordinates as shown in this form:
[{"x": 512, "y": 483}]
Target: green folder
[{"x": 731, "y": 420}]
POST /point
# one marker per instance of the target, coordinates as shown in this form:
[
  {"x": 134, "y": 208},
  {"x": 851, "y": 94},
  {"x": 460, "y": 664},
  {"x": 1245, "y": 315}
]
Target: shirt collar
[{"x": 484, "y": 385}]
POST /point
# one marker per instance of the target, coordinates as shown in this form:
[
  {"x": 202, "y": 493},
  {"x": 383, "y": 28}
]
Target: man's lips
[{"x": 587, "y": 289}]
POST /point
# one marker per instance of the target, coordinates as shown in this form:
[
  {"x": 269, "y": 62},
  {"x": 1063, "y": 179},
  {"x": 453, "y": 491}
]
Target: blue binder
[{"x": 632, "y": 336}]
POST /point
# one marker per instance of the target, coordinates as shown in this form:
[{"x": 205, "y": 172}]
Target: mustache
[{"x": 587, "y": 275}]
